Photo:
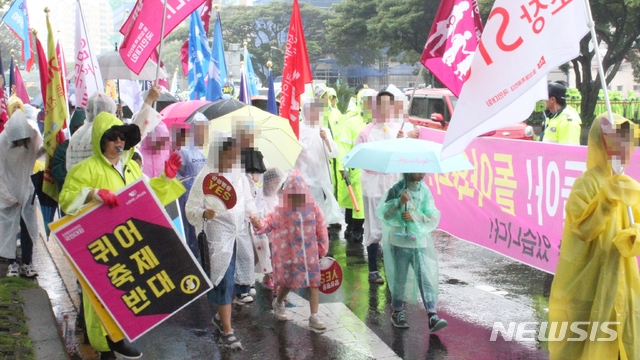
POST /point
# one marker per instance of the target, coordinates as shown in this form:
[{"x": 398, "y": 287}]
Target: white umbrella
[{"x": 113, "y": 67}]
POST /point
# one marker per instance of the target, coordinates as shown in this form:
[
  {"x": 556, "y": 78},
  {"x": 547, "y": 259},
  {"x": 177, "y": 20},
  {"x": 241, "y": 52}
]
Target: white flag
[
  {"x": 174, "y": 83},
  {"x": 88, "y": 78},
  {"x": 522, "y": 42},
  {"x": 131, "y": 94}
]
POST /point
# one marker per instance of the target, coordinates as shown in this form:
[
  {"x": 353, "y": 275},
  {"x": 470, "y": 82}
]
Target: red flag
[
  {"x": 21, "y": 90},
  {"x": 296, "y": 72},
  {"x": 43, "y": 68},
  {"x": 142, "y": 29},
  {"x": 29, "y": 62},
  {"x": 452, "y": 42},
  {"x": 4, "y": 115},
  {"x": 205, "y": 15}
]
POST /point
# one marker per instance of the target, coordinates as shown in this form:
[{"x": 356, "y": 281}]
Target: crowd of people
[{"x": 283, "y": 221}]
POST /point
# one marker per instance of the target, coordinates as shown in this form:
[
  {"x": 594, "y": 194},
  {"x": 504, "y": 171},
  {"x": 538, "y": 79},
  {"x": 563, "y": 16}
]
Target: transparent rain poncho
[
  {"x": 410, "y": 258},
  {"x": 597, "y": 276}
]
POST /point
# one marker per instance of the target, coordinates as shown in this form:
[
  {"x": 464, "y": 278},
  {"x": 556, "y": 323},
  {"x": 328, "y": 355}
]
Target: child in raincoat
[
  {"x": 298, "y": 234},
  {"x": 597, "y": 281},
  {"x": 230, "y": 247},
  {"x": 409, "y": 215}
]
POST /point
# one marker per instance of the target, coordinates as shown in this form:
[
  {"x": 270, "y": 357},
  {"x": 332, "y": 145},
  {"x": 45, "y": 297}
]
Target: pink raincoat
[
  {"x": 298, "y": 237},
  {"x": 155, "y": 150}
]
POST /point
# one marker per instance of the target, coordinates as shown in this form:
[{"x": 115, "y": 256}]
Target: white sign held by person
[{"x": 522, "y": 42}]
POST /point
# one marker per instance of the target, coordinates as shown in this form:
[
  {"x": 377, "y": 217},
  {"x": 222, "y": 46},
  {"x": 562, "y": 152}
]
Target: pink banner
[
  {"x": 513, "y": 203},
  {"x": 133, "y": 260},
  {"x": 142, "y": 29}
]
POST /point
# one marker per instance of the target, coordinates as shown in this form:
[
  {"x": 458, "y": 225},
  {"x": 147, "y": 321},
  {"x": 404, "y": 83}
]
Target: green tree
[{"x": 349, "y": 32}]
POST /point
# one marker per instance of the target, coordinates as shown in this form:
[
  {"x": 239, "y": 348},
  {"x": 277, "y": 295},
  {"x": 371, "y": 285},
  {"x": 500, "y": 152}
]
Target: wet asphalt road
[{"x": 477, "y": 287}]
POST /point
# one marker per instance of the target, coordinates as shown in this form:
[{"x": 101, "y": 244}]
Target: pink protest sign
[
  {"x": 133, "y": 260},
  {"x": 513, "y": 203}
]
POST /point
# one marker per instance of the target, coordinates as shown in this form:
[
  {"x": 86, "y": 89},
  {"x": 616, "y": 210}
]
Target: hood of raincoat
[
  {"x": 160, "y": 131},
  {"x": 14, "y": 103},
  {"x": 215, "y": 147},
  {"x": 77, "y": 119},
  {"x": 105, "y": 121},
  {"x": 295, "y": 184},
  {"x": 17, "y": 127},
  {"x": 597, "y": 154},
  {"x": 97, "y": 103}
]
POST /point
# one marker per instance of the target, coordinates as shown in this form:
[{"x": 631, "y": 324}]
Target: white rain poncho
[
  {"x": 410, "y": 258},
  {"x": 16, "y": 189},
  {"x": 374, "y": 184},
  {"x": 80, "y": 143},
  {"x": 228, "y": 227},
  {"x": 313, "y": 164}
]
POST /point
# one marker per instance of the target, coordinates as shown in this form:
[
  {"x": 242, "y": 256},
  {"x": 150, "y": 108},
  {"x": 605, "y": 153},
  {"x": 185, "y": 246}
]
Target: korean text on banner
[
  {"x": 133, "y": 260},
  {"x": 142, "y": 29},
  {"x": 296, "y": 72},
  {"x": 17, "y": 20},
  {"x": 452, "y": 42},
  {"x": 88, "y": 78},
  {"x": 523, "y": 40},
  {"x": 513, "y": 203}
]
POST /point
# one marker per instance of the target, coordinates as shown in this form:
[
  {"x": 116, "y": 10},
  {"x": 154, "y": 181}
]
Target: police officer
[{"x": 562, "y": 122}]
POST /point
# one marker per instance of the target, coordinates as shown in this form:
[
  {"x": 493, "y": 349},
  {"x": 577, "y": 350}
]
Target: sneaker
[
  {"x": 28, "y": 270},
  {"x": 230, "y": 341},
  {"x": 108, "y": 355},
  {"x": 279, "y": 310},
  {"x": 124, "y": 350},
  {"x": 242, "y": 299},
  {"x": 217, "y": 323},
  {"x": 375, "y": 278},
  {"x": 435, "y": 323},
  {"x": 14, "y": 270},
  {"x": 268, "y": 284},
  {"x": 316, "y": 323},
  {"x": 252, "y": 292},
  {"x": 398, "y": 319}
]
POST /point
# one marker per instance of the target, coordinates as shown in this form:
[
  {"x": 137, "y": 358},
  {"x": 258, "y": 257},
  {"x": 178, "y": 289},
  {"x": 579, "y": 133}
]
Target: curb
[{"x": 43, "y": 327}]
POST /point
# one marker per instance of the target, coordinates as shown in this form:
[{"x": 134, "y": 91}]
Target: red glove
[
  {"x": 172, "y": 165},
  {"x": 106, "y": 197}
]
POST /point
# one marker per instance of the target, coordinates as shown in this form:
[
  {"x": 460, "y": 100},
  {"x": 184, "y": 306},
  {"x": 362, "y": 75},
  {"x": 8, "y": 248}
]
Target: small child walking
[
  {"x": 298, "y": 233},
  {"x": 409, "y": 215}
]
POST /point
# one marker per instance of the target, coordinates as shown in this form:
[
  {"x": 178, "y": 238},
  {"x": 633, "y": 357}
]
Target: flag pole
[
  {"x": 84, "y": 26},
  {"x": 413, "y": 93},
  {"x": 603, "y": 84},
  {"x": 164, "y": 18}
]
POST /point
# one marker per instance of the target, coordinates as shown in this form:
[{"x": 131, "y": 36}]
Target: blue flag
[
  {"x": 245, "y": 95},
  {"x": 272, "y": 106},
  {"x": 17, "y": 19},
  {"x": 252, "y": 79},
  {"x": 199, "y": 55},
  {"x": 218, "y": 77}
]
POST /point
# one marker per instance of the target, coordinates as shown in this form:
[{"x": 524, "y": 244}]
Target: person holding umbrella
[
  {"x": 374, "y": 184},
  {"x": 409, "y": 215}
]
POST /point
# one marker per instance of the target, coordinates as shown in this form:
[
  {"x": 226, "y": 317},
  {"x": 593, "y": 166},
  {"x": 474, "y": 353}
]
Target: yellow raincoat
[
  {"x": 597, "y": 276},
  {"x": 96, "y": 172}
]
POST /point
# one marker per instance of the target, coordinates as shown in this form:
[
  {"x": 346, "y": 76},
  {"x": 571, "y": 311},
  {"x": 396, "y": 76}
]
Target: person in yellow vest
[{"x": 562, "y": 123}]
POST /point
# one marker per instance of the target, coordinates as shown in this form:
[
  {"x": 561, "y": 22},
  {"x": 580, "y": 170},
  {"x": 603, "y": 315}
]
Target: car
[{"x": 433, "y": 108}]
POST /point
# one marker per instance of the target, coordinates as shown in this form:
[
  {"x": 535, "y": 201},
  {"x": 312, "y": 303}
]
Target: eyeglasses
[{"x": 114, "y": 136}]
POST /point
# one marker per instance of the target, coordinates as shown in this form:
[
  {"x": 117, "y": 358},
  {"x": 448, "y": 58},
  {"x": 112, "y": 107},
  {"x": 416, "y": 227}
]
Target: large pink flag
[
  {"x": 523, "y": 40},
  {"x": 452, "y": 42},
  {"x": 21, "y": 89},
  {"x": 142, "y": 29}
]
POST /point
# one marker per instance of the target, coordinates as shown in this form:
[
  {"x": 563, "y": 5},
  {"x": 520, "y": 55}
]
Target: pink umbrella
[{"x": 180, "y": 111}]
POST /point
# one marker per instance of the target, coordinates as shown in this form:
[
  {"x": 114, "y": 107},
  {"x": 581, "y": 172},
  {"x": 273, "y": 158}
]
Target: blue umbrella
[{"x": 404, "y": 155}]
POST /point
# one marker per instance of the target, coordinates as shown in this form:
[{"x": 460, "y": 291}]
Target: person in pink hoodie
[
  {"x": 155, "y": 150},
  {"x": 298, "y": 234}
]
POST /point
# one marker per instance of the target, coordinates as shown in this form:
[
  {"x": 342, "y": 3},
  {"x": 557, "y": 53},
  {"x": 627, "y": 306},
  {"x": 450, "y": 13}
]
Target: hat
[
  {"x": 131, "y": 132},
  {"x": 77, "y": 119},
  {"x": 385, "y": 91},
  {"x": 557, "y": 91},
  {"x": 360, "y": 87}
]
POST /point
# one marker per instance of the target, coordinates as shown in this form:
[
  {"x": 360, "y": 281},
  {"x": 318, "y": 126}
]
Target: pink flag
[
  {"x": 142, "y": 29},
  {"x": 296, "y": 72},
  {"x": 452, "y": 41},
  {"x": 21, "y": 90},
  {"x": 522, "y": 42}
]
